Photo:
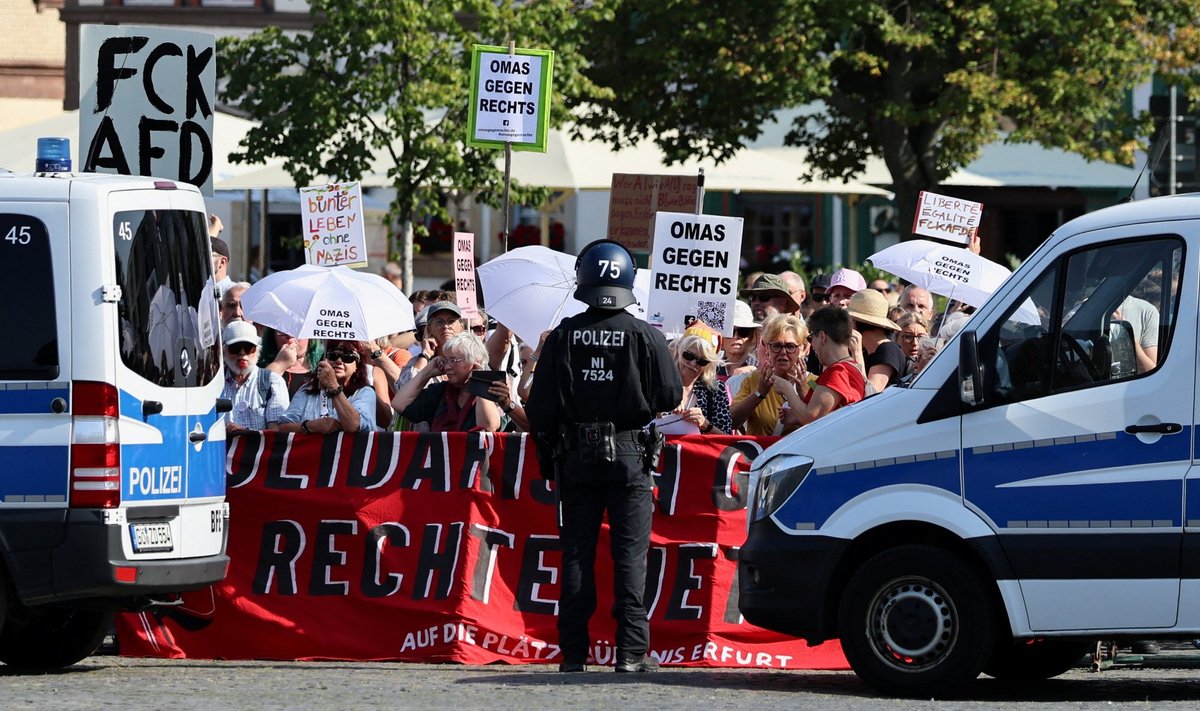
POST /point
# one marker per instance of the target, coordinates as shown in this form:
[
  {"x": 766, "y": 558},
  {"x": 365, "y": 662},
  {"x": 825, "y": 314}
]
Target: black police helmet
[{"x": 604, "y": 274}]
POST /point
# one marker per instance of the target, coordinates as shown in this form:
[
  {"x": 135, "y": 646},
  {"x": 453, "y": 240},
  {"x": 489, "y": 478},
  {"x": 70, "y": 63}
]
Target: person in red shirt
[{"x": 840, "y": 383}]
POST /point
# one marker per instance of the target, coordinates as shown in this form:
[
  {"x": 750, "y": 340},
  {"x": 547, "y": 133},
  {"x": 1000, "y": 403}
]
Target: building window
[{"x": 775, "y": 227}]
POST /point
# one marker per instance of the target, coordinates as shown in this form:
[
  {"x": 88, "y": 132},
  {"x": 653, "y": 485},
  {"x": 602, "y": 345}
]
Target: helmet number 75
[{"x": 609, "y": 268}]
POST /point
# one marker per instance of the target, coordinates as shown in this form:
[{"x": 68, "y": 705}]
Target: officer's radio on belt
[{"x": 604, "y": 375}]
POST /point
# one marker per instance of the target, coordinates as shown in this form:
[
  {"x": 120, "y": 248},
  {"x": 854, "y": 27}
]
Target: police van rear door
[
  {"x": 171, "y": 452},
  {"x": 35, "y": 362}
]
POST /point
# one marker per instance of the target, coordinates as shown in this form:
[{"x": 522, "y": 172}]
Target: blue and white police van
[
  {"x": 112, "y": 451},
  {"x": 1033, "y": 490}
]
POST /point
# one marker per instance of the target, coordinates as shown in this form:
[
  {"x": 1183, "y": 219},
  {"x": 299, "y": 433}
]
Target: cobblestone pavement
[{"x": 1169, "y": 680}]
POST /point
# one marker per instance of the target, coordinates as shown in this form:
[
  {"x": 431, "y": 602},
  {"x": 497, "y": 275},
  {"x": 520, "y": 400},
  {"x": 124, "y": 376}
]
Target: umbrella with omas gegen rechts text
[
  {"x": 953, "y": 272},
  {"x": 311, "y": 301}
]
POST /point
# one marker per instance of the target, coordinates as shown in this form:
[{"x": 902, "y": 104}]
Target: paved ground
[{"x": 1170, "y": 680}]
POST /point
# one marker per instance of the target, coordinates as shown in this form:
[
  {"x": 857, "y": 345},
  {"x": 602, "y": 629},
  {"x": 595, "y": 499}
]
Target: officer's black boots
[
  {"x": 571, "y": 667},
  {"x": 645, "y": 664}
]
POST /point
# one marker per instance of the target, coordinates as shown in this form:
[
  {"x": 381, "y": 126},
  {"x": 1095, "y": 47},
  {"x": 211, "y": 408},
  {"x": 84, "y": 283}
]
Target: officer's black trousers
[{"x": 585, "y": 493}]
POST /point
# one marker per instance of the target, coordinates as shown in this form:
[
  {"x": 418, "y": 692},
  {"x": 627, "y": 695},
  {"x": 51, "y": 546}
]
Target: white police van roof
[
  {"x": 52, "y": 186},
  {"x": 1185, "y": 206}
]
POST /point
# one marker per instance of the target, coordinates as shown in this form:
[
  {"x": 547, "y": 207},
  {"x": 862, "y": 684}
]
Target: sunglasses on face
[
  {"x": 479, "y": 330},
  {"x": 819, "y": 298},
  {"x": 241, "y": 348},
  {"x": 693, "y": 358},
  {"x": 335, "y": 356},
  {"x": 744, "y": 332},
  {"x": 778, "y": 347},
  {"x": 764, "y": 298}
]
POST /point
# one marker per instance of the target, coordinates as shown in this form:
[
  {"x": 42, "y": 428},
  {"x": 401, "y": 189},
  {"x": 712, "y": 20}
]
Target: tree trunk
[{"x": 406, "y": 254}]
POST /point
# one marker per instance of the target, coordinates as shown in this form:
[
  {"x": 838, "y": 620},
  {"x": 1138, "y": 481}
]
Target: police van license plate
[{"x": 151, "y": 537}]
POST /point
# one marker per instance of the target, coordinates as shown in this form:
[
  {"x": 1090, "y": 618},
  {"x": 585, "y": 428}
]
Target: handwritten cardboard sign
[
  {"x": 464, "y": 274},
  {"x": 947, "y": 218},
  {"x": 634, "y": 199},
  {"x": 510, "y": 98},
  {"x": 332, "y": 216},
  {"x": 695, "y": 274},
  {"x": 146, "y": 97}
]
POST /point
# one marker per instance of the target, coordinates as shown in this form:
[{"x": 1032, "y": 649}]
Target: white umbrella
[
  {"x": 944, "y": 269},
  {"x": 328, "y": 302},
  {"x": 531, "y": 289}
]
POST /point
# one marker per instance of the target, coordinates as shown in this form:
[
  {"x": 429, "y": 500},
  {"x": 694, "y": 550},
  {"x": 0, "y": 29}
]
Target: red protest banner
[{"x": 443, "y": 548}]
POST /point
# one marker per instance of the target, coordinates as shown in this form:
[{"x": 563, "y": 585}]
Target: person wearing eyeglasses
[
  {"x": 738, "y": 351},
  {"x": 758, "y": 404},
  {"x": 913, "y": 327},
  {"x": 443, "y": 321},
  {"x": 259, "y": 396},
  {"x": 770, "y": 295},
  {"x": 705, "y": 402},
  {"x": 840, "y": 383},
  {"x": 446, "y": 404},
  {"x": 339, "y": 398}
]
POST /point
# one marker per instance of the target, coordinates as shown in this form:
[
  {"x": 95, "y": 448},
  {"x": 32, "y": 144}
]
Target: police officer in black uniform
[{"x": 604, "y": 376}]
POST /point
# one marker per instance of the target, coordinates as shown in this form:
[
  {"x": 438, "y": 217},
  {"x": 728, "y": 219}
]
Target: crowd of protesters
[{"x": 796, "y": 353}]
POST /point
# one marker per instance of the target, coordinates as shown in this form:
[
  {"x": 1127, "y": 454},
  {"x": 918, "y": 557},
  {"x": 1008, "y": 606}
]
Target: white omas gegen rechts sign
[
  {"x": 146, "y": 98},
  {"x": 694, "y": 275},
  {"x": 510, "y": 98}
]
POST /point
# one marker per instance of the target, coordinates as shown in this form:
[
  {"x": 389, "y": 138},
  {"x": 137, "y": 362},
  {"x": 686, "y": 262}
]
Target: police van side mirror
[{"x": 970, "y": 376}]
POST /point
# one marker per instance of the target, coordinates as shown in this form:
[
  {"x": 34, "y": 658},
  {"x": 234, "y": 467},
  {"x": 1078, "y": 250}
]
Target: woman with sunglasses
[
  {"x": 338, "y": 399},
  {"x": 705, "y": 402},
  {"x": 759, "y": 403},
  {"x": 447, "y": 405},
  {"x": 737, "y": 353}
]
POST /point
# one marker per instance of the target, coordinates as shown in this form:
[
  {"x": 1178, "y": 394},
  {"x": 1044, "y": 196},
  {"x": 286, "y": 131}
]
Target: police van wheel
[
  {"x": 52, "y": 637},
  {"x": 915, "y": 621},
  {"x": 1036, "y": 660}
]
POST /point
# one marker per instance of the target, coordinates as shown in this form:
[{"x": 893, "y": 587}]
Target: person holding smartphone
[{"x": 448, "y": 405}]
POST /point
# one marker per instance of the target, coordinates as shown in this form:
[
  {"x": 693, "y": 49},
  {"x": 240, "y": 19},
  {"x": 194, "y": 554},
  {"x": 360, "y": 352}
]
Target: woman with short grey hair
[{"x": 447, "y": 405}]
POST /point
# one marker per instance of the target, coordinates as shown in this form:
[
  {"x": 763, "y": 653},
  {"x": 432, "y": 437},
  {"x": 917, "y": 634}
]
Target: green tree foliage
[
  {"x": 922, "y": 84},
  {"x": 386, "y": 82}
]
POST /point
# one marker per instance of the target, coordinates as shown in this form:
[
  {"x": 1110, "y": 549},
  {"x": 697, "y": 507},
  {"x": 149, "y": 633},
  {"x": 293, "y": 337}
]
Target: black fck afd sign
[{"x": 146, "y": 103}]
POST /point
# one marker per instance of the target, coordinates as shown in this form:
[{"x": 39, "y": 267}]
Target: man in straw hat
[{"x": 884, "y": 361}]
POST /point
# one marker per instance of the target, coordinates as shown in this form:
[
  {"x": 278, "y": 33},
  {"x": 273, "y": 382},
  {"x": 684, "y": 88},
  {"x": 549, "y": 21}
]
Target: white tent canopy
[
  {"x": 1000, "y": 164},
  {"x": 579, "y": 164}
]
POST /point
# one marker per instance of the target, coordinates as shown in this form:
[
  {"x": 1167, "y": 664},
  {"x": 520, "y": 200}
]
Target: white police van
[
  {"x": 1032, "y": 490},
  {"x": 112, "y": 451}
]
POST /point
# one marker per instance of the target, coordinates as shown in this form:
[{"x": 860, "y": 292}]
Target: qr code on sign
[{"x": 712, "y": 313}]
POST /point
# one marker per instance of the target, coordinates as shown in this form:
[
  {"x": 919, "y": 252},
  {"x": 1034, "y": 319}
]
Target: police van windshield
[{"x": 168, "y": 311}]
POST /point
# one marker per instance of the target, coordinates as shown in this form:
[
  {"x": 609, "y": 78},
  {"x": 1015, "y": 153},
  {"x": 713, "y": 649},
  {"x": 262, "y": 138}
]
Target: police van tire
[
  {"x": 1028, "y": 661},
  {"x": 915, "y": 621},
  {"x": 52, "y": 637}
]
